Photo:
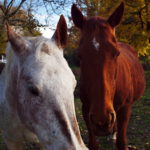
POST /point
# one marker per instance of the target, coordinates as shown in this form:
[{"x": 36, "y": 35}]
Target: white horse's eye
[{"x": 33, "y": 90}]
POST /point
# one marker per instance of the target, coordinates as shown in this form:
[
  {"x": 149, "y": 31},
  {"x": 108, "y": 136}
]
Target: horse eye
[
  {"x": 117, "y": 53},
  {"x": 33, "y": 90}
]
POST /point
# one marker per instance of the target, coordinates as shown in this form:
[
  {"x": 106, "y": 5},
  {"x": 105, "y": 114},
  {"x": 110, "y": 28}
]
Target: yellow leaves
[{"x": 145, "y": 51}]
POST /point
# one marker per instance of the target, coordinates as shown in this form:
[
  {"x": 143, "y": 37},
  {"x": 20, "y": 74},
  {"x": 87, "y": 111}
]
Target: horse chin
[{"x": 102, "y": 132}]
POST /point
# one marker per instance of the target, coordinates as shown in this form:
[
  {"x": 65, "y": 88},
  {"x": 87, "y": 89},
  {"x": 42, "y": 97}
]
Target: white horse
[{"x": 36, "y": 93}]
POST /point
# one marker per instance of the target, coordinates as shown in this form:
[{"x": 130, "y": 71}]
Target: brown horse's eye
[
  {"x": 116, "y": 52},
  {"x": 33, "y": 90}
]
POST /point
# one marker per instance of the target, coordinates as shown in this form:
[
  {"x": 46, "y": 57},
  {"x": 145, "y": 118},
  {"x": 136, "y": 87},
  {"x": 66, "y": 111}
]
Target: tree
[
  {"x": 18, "y": 18},
  {"x": 136, "y": 21},
  {"x": 21, "y": 14}
]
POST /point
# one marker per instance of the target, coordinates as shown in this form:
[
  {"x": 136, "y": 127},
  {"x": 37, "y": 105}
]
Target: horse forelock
[
  {"x": 96, "y": 33},
  {"x": 94, "y": 24}
]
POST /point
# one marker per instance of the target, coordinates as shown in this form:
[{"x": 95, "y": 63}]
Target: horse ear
[
  {"x": 77, "y": 16},
  {"x": 16, "y": 41},
  {"x": 60, "y": 35},
  {"x": 116, "y": 17}
]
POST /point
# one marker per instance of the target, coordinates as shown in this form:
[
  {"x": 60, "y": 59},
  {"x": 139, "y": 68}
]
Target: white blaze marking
[
  {"x": 114, "y": 136},
  {"x": 96, "y": 44}
]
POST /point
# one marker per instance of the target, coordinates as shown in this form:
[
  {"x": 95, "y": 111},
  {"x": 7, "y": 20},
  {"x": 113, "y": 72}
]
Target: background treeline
[{"x": 134, "y": 29}]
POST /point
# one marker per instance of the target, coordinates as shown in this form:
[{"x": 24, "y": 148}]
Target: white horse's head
[{"x": 43, "y": 86}]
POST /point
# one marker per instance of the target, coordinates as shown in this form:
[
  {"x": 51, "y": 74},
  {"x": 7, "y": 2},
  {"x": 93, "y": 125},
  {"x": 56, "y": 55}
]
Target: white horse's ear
[
  {"x": 116, "y": 17},
  {"x": 16, "y": 41},
  {"x": 60, "y": 35},
  {"x": 77, "y": 16}
]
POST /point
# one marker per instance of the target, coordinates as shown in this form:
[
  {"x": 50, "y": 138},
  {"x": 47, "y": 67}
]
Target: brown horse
[{"x": 111, "y": 77}]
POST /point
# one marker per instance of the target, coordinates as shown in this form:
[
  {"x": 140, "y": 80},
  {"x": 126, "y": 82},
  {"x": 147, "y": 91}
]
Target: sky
[
  {"x": 41, "y": 16},
  {"x": 49, "y": 30},
  {"x": 40, "y": 13}
]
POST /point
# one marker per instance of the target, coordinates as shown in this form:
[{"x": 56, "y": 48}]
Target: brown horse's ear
[
  {"x": 16, "y": 41},
  {"x": 77, "y": 16},
  {"x": 116, "y": 17},
  {"x": 60, "y": 35}
]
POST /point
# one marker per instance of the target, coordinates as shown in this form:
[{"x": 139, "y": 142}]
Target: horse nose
[{"x": 111, "y": 119}]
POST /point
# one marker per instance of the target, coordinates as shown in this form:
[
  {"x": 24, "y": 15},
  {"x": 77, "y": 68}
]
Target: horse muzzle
[{"x": 103, "y": 128}]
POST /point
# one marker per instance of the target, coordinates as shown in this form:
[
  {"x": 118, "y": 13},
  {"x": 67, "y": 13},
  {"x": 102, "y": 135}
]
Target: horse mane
[
  {"x": 129, "y": 48},
  {"x": 95, "y": 23}
]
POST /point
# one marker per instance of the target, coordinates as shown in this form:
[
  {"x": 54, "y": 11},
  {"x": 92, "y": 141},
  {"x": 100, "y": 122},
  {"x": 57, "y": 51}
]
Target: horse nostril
[
  {"x": 94, "y": 121},
  {"x": 112, "y": 119}
]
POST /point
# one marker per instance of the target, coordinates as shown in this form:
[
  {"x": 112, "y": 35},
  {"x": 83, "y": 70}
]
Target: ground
[{"x": 139, "y": 125}]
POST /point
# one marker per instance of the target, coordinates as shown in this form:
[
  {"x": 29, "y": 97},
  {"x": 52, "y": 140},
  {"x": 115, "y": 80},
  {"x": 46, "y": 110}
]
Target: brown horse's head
[{"x": 98, "y": 52}]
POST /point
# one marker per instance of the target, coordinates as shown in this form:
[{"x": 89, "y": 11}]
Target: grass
[{"x": 139, "y": 125}]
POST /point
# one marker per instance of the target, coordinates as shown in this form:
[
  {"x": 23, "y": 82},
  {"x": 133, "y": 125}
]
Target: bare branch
[
  {"x": 2, "y": 8},
  {"x": 141, "y": 20},
  {"x": 11, "y": 3},
  {"x": 15, "y": 11},
  {"x": 17, "y": 20},
  {"x": 5, "y": 3},
  {"x": 9, "y": 6}
]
